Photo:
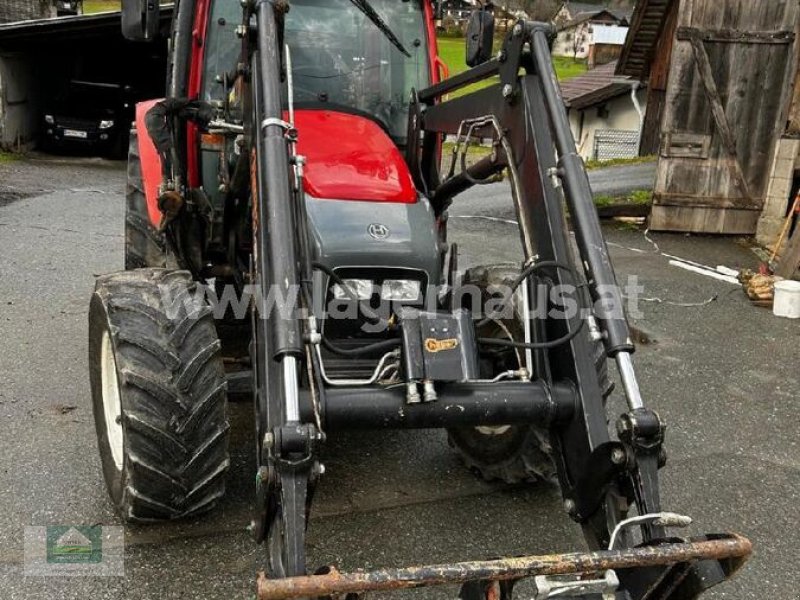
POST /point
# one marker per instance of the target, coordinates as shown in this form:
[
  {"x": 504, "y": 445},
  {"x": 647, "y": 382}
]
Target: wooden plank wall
[{"x": 728, "y": 94}]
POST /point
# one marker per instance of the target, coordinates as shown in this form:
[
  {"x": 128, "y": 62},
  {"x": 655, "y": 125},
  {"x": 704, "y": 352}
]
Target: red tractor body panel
[
  {"x": 151, "y": 162},
  {"x": 197, "y": 62},
  {"x": 349, "y": 157}
]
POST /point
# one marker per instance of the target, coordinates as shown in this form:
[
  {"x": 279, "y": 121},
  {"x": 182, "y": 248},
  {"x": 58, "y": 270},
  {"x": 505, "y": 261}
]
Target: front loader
[{"x": 286, "y": 232}]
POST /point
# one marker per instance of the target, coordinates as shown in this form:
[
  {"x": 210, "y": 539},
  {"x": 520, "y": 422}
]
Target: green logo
[{"x": 67, "y": 544}]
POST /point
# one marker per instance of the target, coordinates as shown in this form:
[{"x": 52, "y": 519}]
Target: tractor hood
[{"x": 350, "y": 157}]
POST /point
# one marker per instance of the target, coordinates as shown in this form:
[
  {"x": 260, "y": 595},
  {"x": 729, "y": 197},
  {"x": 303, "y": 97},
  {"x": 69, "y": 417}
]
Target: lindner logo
[
  {"x": 378, "y": 231},
  {"x": 74, "y": 551},
  {"x": 74, "y": 544}
]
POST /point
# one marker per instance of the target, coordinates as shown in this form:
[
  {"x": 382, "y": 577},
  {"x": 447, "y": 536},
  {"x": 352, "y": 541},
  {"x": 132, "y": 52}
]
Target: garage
[{"x": 69, "y": 60}]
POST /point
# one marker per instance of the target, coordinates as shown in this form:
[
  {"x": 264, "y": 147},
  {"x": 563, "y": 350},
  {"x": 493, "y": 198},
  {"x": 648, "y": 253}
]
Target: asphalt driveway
[{"x": 724, "y": 375}]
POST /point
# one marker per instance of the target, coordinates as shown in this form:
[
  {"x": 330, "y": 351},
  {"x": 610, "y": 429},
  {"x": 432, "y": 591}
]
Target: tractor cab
[
  {"x": 342, "y": 61},
  {"x": 343, "y": 58}
]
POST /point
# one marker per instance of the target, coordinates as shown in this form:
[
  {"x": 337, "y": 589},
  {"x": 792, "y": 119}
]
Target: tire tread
[{"x": 173, "y": 392}]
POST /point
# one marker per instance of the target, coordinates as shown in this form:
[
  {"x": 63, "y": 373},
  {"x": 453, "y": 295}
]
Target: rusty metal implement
[{"x": 723, "y": 548}]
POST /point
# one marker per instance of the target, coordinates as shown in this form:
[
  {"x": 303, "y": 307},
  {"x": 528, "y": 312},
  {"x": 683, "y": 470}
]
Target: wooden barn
[{"x": 723, "y": 112}]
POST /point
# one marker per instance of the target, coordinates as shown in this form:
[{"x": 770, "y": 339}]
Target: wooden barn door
[{"x": 729, "y": 88}]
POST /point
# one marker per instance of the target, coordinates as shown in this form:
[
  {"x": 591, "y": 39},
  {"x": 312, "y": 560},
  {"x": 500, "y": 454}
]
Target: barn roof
[
  {"x": 584, "y": 10},
  {"x": 587, "y": 17},
  {"x": 593, "y": 87},
  {"x": 647, "y": 24},
  {"x": 61, "y": 28}
]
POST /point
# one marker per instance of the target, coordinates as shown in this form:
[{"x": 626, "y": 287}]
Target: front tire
[
  {"x": 513, "y": 453},
  {"x": 158, "y": 395}
]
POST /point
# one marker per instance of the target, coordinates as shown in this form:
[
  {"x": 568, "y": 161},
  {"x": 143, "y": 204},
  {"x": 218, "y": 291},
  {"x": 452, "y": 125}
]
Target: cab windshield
[{"x": 340, "y": 57}]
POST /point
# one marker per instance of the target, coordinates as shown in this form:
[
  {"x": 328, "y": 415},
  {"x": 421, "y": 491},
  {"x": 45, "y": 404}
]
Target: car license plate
[{"x": 73, "y": 133}]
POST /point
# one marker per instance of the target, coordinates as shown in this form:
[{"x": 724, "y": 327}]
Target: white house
[
  {"x": 605, "y": 113},
  {"x": 578, "y": 24}
]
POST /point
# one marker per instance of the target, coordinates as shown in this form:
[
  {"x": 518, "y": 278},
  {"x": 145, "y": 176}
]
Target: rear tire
[
  {"x": 514, "y": 453},
  {"x": 144, "y": 244},
  {"x": 158, "y": 394}
]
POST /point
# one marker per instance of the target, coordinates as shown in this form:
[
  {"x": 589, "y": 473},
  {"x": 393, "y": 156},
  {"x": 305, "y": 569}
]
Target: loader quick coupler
[
  {"x": 638, "y": 455},
  {"x": 288, "y": 453},
  {"x": 642, "y": 432}
]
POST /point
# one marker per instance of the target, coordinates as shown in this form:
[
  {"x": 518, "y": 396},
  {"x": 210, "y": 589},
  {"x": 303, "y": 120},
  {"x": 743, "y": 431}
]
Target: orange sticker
[{"x": 434, "y": 345}]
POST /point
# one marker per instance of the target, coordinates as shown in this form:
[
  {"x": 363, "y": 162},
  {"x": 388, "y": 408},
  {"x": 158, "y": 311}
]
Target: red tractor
[{"x": 287, "y": 209}]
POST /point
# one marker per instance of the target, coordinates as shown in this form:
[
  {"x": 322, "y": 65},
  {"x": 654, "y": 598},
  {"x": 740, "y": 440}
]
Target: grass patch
[
  {"x": 640, "y": 197},
  {"x": 604, "y": 200},
  {"x": 6, "y": 157},
  {"x": 636, "y": 197},
  {"x": 452, "y": 52},
  {"x": 472, "y": 151},
  {"x": 98, "y": 6},
  {"x": 567, "y": 67},
  {"x": 618, "y": 162}
]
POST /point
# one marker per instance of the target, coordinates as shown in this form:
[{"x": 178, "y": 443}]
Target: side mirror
[
  {"x": 480, "y": 37},
  {"x": 140, "y": 20}
]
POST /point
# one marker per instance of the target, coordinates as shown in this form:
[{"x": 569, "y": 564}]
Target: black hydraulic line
[
  {"x": 578, "y": 193},
  {"x": 181, "y": 48},
  {"x": 452, "y": 187},
  {"x": 534, "y": 345},
  {"x": 278, "y": 257},
  {"x": 524, "y": 274},
  {"x": 159, "y": 120},
  {"x": 373, "y": 348},
  {"x": 467, "y": 404}
]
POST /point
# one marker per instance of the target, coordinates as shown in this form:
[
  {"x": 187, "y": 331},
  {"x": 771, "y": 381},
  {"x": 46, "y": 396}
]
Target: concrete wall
[
  {"x": 19, "y": 101},
  {"x": 24, "y": 10},
  {"x": 779, "y": 192},
  {"x": 621, "y": 115}
]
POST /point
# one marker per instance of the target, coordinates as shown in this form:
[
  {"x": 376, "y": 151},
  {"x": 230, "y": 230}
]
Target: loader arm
[
  {"x": 537, "y": 147},
  {"x": 599, "y": 476}
]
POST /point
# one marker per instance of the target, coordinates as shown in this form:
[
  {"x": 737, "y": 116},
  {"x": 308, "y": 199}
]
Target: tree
[{"x": 578, "y": 39}]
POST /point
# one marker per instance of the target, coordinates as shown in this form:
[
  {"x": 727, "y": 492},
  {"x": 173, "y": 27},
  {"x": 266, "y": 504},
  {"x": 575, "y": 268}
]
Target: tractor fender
[{"x": 151, "y": 167}]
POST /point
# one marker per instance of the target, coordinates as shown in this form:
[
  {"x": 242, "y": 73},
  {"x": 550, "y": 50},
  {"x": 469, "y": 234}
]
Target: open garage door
[{"x": 40, "y": 60}]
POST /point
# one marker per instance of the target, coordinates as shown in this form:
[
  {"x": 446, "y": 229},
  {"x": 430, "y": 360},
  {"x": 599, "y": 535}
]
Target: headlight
[
  {"x": 106, "y": 124},
  {"x": 362, "y": 288},
  {"x": 402, "y": 290},
  {"x": 49, "y": 119}
]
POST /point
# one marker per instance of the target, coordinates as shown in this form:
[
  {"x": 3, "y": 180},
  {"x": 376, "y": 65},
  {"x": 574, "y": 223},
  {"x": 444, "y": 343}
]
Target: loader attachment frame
[{"x": 494, "y": 579}]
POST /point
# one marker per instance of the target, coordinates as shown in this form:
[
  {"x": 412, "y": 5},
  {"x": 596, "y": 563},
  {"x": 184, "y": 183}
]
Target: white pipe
[
  {"x": 637, "y": 105},
  {"x": 706, "y": 272}
]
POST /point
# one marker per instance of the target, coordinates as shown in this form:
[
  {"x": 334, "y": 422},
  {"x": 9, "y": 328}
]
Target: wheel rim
[
  {"x": 498, "y": 430},
  {"x": 112, "y": 406}
]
